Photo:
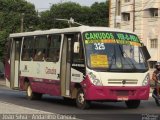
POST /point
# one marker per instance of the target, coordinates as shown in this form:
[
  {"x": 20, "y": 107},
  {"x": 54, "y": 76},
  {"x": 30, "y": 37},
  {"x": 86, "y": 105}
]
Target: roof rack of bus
[{"x": 70, "y": 21}]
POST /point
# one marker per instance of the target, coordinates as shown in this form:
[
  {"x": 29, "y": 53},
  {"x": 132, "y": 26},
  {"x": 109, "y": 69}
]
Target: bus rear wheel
[
  {"x": 81, "y": 102},
  {"x": 32, "y": 95},
  {"x": 133, "y": 103}
]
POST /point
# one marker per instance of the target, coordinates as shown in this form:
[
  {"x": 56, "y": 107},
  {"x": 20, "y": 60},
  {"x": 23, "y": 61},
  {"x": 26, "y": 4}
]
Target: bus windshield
[{"x": 114, "y": 52}]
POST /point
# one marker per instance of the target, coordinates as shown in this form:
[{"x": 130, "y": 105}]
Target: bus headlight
[
  {"x": 146, "y": 80},
  {"x": 94, "y": 79}
]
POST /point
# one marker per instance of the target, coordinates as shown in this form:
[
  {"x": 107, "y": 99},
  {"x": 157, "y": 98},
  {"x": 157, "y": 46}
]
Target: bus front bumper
[{"x": 116, "y": 93}]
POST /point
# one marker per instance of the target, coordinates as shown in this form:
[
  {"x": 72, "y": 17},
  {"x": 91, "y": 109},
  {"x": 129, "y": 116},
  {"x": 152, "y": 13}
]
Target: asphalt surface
[{"x": 15, "y": 102}]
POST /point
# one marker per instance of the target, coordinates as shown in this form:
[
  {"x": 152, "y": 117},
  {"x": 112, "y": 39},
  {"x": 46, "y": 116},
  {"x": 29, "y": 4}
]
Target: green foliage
[
  {"x": 3, "y": 36},
  {"x": 100, "y": 13},
  {"x": 96, "y": 15},
  {"x": 11, "y": 12}
]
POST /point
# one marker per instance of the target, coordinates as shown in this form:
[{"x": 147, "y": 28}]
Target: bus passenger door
[
  {"x": 65, "y": 74},
  {"x": 15, "y": 59}
]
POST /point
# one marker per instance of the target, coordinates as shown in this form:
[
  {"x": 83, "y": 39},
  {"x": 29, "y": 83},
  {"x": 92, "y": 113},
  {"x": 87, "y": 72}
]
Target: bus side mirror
[
  {"x": 145, "y": 52},
  {"x": 76, "y": 47}
]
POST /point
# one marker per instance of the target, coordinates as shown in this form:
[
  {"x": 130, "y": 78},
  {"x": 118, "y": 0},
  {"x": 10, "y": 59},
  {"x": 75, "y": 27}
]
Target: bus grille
[{"x": 123, "y": 81}]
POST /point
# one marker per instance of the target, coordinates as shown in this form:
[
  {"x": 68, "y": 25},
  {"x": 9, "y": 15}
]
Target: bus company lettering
[
  {"x": 25, "y": 69},
  {"x": 50, "y": 70}
]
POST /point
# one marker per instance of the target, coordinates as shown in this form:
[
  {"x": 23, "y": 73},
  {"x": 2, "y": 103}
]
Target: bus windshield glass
[{"x": 114, "y": 52}]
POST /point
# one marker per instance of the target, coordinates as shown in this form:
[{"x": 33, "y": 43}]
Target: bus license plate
[{"x": 122, "y": 98}]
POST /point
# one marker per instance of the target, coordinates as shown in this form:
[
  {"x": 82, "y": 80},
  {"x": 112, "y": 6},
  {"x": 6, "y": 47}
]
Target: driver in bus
[{"x": 156, "y": 74}]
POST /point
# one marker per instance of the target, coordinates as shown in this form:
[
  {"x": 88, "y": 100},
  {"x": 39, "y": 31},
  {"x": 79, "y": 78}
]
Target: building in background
[{"x": 141, "y": 17}]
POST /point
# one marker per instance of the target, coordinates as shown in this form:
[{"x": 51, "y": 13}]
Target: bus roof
[{"x": 67, "y": 30}]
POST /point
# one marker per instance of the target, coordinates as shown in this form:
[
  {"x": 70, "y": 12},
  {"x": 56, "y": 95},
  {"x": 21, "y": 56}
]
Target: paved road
[{"x": 15, "y": 102}]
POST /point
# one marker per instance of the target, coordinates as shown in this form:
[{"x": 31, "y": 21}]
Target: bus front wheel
[
  {"x": 81, "y": 102},
  {"x": 133, "y": 103},
  {"x": 32, "y": 95},
  {"x": 157, "y": 102}
]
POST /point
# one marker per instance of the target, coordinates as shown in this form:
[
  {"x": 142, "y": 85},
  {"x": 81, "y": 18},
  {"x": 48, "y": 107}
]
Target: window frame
[
  {"x": 39, "y": 52},
  {"x": 57, "y": 49},
  {"x": 30, "y": 48},
  {"x": 126, "y": 1},
  {"x": 152, "y": 64},
  {"x": 153, "y": 12},
  {"x": 126, "y": 17},
  {"x": 154, "y": 43},
  {"x": 81, "y": 55}
]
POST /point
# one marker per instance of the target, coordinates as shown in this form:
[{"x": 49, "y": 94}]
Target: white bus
[{"x": 83, "y": 63}]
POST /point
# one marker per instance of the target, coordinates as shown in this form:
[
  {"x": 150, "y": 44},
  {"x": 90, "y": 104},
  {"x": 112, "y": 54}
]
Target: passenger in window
[
  {"x": 49, "y": 56},
  {"x": 39, "y": 56},
  {"x": 25, "y": 54},
  {"x": 54, "y": 56}
]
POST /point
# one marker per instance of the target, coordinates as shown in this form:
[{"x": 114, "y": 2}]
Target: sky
[{"x": 42, "y": 5}]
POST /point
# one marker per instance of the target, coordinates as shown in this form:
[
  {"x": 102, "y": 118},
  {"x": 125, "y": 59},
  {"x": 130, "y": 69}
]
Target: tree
[
  {"x": 63, "y": 10},
  {"x": 3, "y": 35},
  {"x": 96, "y": 15},
  {"x": 11, "y": 12},
  {"x": 100, "y": 13}
]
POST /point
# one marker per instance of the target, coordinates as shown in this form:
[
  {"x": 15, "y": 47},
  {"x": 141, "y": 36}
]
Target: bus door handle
[{"x": 58, "y": 76}]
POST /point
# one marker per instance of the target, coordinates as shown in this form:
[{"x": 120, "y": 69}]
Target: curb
[{"x": 2, "y": 82}]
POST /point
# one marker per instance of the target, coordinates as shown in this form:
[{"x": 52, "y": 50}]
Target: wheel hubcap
[
  {"x": 29, "y": 91},
  {"x": 81, "y": 98}
]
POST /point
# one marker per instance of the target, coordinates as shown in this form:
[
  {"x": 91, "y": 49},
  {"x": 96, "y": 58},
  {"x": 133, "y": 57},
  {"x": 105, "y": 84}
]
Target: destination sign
[{"x": 111, "y": 37}]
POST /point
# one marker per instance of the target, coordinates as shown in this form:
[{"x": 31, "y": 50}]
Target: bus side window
[
  {"x": 25, "y": 55},
  {"x": 40, "y": 48},
  {"x": 27, "y": 51},
  {"x": 54, "y": 42}
]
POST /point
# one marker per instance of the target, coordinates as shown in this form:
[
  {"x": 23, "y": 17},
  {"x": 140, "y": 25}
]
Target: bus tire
[
  {"x": 132, "y": 103},
  {"x": 80, "y": 100},
  {"x": 32, "y": 95},
  {"x": 157, "y": 102}
]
